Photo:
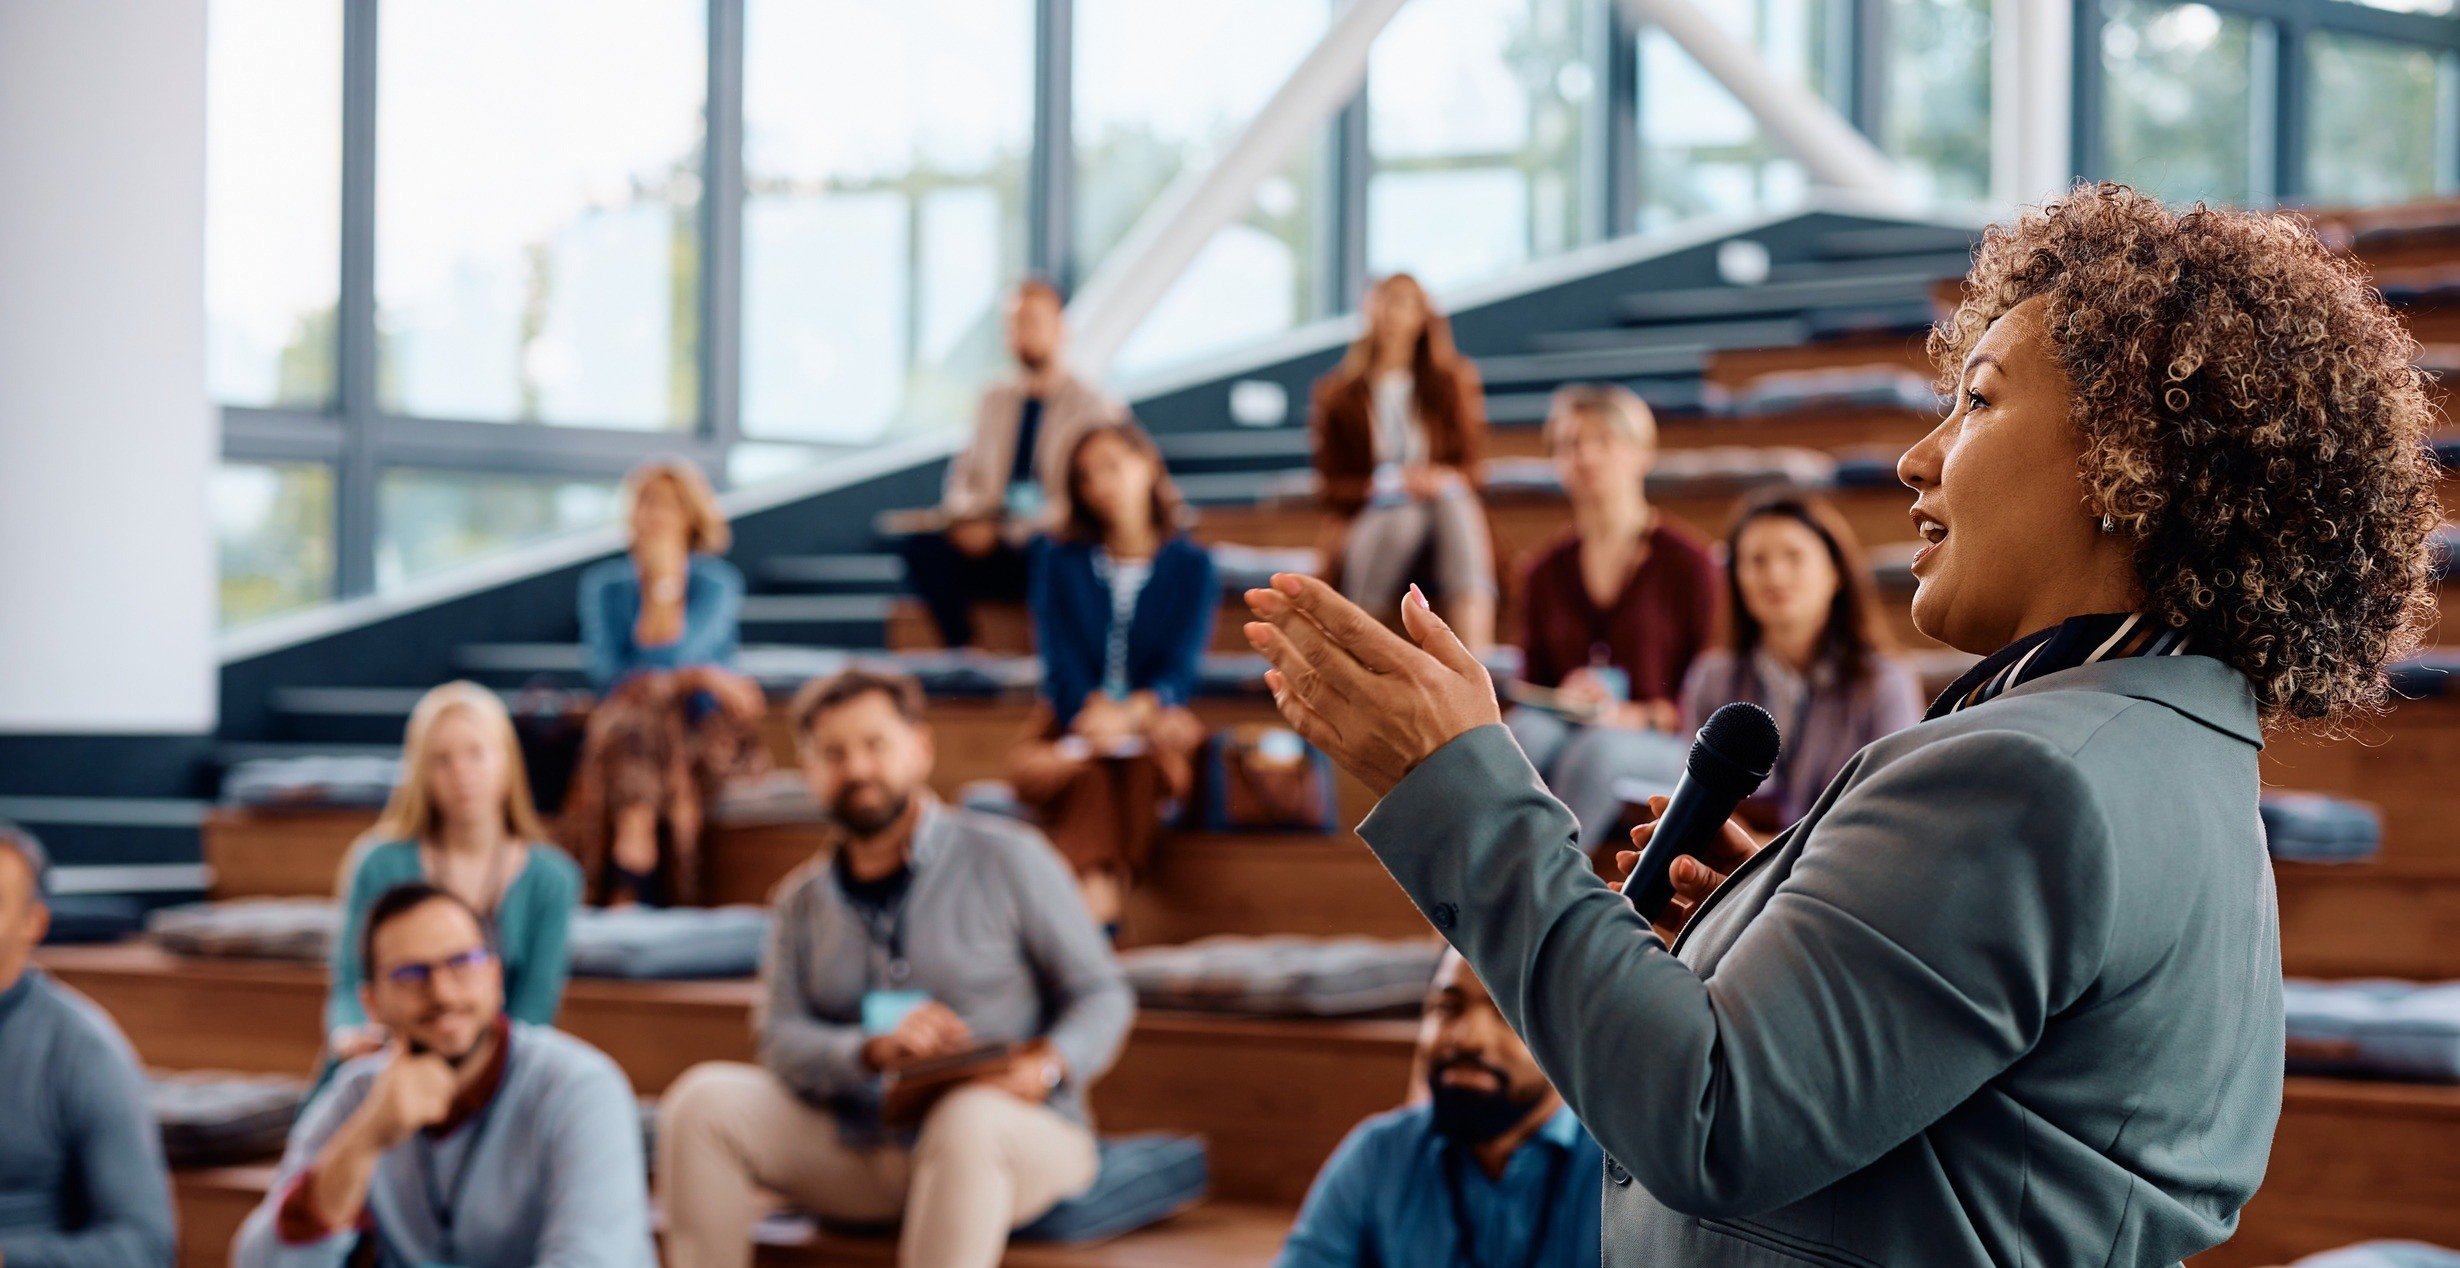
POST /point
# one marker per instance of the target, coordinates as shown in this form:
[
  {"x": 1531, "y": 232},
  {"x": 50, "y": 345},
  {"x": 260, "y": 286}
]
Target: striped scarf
[{"x": 2078, "y": 640}]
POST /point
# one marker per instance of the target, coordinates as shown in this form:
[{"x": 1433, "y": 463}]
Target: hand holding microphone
[{"x": 1693, "y": 842}]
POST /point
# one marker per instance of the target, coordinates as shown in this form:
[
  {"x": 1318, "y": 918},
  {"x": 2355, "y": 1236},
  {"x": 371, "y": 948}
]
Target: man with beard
[
  {"x": 81, "y": 1177},
  {"x": 1007, "y": 483},
  {"x": 919, "y": 931},
  {"x": 1491, "y": 1171},
  {"x": 470, "y": 1139}
]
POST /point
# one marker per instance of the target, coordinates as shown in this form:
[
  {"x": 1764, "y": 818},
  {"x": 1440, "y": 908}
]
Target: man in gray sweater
[
  {"x": 81, "y": 1178},
  {"x": 470, "y": 1140},
  {"x": 921, "y": 931}
]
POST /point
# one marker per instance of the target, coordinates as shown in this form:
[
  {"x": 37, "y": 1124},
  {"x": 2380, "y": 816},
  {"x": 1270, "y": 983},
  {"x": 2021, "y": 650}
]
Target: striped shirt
[{"x": 2079, "y": 640}]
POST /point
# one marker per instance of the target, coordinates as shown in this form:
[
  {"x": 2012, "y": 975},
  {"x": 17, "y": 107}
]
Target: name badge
[{"x": 883, "y": 1010}]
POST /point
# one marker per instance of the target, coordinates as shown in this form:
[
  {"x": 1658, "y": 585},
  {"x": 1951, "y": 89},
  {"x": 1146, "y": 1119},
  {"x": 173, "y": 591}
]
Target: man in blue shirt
[{"x": 1491, "y": 1171}]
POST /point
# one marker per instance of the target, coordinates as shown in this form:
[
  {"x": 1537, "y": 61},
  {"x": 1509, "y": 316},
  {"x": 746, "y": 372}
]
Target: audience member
[
  {"x": 1007, "y": 483},
  {"x": 82, "y": 1183},
  {"x": 922, "y": 932},
  {"x": 471, "y": 1139},
  {"x": 1612, "y": 614},
  {"x": 1123, "y": 604},
  {"x": 1400, "y": 442},
  {"x": 1803, "y": 641},
  {"x": 461, "y": 820},
  {"x": 1491, "y": 1169},
  {"x": 673, "y": 721}
]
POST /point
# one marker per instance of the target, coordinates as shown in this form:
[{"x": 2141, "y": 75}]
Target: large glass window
[
  {"x": 2179, "y": 113},
  {"x": 537, "y": 205},
  {"x": 273, "y": 538},
  {"x": 2372, "y": 131},
  {"x": 1701, "y": 151},
  {"x": 1937, "y": 123},
  {"x": 1159, "y": 90},
  {"x": 1474, "y": 117},
  {"x": 273, "y": 199},
  {"x": 429, "y": 521},
  {"x": 885, "y": 146}
]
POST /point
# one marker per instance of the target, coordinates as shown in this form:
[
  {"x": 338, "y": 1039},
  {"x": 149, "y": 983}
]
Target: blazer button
[
  {"x": 1616, "y": 1173},
  {"x": 1445, "y": 914}
]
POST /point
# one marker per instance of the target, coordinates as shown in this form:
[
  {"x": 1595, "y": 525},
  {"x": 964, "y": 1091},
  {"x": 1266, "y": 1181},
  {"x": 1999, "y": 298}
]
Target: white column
[
  {"x": 107, "y": 440},
  {"x": 2031, "y": 64},
  {"x": 1807, "y": 128},
  {"x": 1142, "y": 268}
]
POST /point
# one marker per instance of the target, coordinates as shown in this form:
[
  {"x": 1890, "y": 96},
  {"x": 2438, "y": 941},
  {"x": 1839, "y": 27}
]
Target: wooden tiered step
[
  {"x": 2352, "y": 1162},
  {"x": 213, "y": 1202},
  {"x": 1273, "y": 1097}
]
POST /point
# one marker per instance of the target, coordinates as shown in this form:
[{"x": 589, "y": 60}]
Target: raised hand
[{"x": 1373, "y": 701}]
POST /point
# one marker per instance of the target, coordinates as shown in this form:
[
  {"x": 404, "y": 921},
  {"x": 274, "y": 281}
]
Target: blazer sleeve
[
  {"x": 1341, "y": 481},
  {"x": 1052, "y": 601},
  {"x": 1472, "y": 390},
  {"x": 1940, "y": 913},
  {"x": 1195, "y": 602}
]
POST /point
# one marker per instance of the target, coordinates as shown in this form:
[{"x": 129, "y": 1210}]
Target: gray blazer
[{"x": 2009, "y": 994}]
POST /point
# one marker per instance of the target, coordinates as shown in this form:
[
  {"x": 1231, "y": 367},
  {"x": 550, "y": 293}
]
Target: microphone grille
[{"x": 1744, "y": 734}]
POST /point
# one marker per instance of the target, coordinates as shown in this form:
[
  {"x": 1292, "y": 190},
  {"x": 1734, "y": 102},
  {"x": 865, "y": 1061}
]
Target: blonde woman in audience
[
  {"x": 461, "y": 820},
  {"x": 1612, "y": 612},
  {"x": 1123, "y": 602},
  {"x": 1400, "y": 447},
  {"x": 673, "y": 722},
  {"x": 1803, "y": 641}
]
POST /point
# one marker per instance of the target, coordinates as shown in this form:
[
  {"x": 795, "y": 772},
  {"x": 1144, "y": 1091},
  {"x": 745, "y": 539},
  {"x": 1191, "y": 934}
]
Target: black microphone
[{"x": 1735, "y": 751}]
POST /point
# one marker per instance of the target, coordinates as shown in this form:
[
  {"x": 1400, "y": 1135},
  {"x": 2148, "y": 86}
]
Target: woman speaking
[{"x": 2010, "y": 991}]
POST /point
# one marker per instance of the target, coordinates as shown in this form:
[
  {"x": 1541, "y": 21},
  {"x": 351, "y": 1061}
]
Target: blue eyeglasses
[{"x": 417, "y": 976}]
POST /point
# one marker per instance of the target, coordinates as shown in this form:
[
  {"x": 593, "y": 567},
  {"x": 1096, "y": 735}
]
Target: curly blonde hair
[{"x": 2253, "y": 420}]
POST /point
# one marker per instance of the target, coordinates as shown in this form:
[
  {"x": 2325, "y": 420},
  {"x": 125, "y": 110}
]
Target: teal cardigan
[
  {"x": 532, "y": 925},
  {"x": 2009, "y": 993}
]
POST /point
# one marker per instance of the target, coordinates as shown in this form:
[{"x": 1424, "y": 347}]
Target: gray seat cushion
[
  {"x": 296, "y": 929},
  {"x": 1284, "y": 976},
  {"x": 212, "y": 1120},
  {"x": 667, "y": 943},
  {"x": 2397, "y": 1030}
]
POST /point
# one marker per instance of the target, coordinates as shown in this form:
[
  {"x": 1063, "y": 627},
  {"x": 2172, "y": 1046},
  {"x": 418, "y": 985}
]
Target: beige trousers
[
  {"x": 1384, "y": 541},
  {"x": 985, "y": 1163}
]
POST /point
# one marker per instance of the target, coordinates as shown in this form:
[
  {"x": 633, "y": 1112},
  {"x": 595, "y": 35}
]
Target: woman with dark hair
[
  {"x": 1123, "y": 603},
  {"x": 1803, "y": 642},
  {"x": 1400, "y": 447},
  {"x": 2010, "y": 991}
]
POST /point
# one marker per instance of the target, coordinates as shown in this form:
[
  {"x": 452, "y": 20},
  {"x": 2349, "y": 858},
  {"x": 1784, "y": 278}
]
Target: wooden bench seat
[{"x": 213, "y": 1201}]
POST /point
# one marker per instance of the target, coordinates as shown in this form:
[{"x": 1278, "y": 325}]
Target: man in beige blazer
[{"x": 1010, "y": 481}]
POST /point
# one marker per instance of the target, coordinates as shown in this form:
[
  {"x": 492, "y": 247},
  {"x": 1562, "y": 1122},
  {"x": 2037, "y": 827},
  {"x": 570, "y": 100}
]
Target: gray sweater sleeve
[
  {"x": 118, "y": 1157},
  {"x": 595, "y": 1188},
  {"x": 1092, "y": 1006},
  {"x": 817, "y": 1058},
  {"x": 258, "y": 1244},
  {"x": 1943, "y": 911}
]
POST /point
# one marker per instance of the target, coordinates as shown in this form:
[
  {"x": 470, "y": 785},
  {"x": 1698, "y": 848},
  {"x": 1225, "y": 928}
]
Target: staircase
[{"x": 1812, "y": 374}]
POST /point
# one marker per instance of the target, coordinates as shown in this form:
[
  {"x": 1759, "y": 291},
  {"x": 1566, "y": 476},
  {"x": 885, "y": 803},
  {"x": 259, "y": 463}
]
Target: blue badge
[{"x": 882, "y": 1010}]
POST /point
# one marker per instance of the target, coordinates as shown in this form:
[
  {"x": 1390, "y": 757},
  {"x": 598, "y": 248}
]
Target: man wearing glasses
[{"x": 470, "y": 1139}]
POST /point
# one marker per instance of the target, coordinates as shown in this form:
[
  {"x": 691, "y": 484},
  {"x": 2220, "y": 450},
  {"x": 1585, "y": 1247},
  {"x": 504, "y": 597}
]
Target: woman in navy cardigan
[{"x": 1123, "y": 604}]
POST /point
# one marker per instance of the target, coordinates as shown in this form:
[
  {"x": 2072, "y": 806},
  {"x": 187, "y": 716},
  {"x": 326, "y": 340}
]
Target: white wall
[{"x": 106, "y": 437}]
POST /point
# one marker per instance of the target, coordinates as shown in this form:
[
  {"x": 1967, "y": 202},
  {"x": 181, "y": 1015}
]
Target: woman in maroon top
[{"x": 1612, "y": 615}]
